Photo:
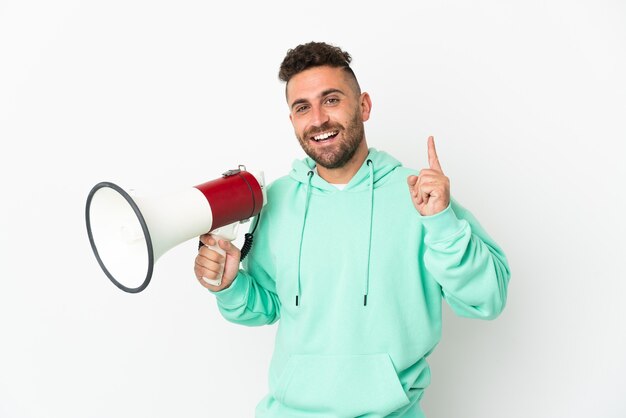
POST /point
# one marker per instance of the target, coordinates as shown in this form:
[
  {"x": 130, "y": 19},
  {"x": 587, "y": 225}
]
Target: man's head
[{"x": 327, "y": 108}]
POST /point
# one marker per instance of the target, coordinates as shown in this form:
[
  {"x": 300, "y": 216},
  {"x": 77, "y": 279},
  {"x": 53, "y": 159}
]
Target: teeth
[{"x": 324, "y": 136}]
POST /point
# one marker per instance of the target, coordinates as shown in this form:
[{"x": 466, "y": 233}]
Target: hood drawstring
[
  {"x": 370, "y": 164},
  {"x": 306, "y": 211}
]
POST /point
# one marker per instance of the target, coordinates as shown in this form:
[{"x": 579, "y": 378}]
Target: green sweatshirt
[{"x": 356, "y": 278}]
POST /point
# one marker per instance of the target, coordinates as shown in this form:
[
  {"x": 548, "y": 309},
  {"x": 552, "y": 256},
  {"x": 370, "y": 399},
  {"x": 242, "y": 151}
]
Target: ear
[{"x": 366, "y": 106}]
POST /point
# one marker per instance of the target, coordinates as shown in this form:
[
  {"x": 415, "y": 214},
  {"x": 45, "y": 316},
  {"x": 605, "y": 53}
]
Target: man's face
[{"x": 327, "y": 114}]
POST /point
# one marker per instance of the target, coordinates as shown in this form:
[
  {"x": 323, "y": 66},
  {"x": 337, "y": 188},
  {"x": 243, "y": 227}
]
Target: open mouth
[{"x": 326, "y": 136}]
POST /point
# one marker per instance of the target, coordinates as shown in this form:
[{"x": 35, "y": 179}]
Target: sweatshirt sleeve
[
  {"x": 252, "y": 299},
  {"x": 246, "y": 302},
  {"x": 470, "y": 267}
]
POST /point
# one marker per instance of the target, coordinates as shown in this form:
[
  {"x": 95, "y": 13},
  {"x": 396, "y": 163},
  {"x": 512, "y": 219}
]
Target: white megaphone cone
[{"x": 128, "y": 232}]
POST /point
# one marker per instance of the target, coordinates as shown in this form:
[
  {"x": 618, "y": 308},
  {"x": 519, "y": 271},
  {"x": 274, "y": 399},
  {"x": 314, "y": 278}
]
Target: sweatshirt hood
[{"x": 382, "y": 164}]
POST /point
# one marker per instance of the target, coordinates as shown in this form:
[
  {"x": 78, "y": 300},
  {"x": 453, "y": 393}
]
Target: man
[{"x": 352, "y": 263}]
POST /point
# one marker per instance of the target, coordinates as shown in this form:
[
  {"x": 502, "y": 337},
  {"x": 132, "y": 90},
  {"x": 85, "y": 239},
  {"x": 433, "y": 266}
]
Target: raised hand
[{"x": 430, "y": 191}]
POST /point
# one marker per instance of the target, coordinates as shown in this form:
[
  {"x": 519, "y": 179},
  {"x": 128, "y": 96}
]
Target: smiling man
[{"x": 353, "y": 263}]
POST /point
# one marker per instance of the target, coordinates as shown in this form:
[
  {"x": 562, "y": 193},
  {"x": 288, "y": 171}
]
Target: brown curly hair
[{"x": 314, "y": 54}]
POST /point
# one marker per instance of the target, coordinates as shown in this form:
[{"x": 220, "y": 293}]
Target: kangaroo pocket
[{"x": 341, "y": 386}]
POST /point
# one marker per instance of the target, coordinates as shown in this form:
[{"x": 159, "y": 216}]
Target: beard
[{"x": 342, "y": 151}]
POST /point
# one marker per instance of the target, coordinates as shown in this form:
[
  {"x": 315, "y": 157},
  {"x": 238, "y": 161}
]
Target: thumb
[{"x": 228, "y": 247}]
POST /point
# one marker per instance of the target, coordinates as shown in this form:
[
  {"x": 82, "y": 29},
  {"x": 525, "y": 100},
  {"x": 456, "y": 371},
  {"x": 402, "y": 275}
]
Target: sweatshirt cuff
[
  {"x": 442, "y": 225},
  {"x": 234, "y": 295}
]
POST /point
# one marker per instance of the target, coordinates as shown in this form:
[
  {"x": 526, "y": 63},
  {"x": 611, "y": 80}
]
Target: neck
[{"x": 343, "y": 174}]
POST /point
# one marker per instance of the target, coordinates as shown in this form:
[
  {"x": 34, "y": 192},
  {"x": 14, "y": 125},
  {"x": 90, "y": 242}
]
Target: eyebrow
[{"x": 322, "y": 94}]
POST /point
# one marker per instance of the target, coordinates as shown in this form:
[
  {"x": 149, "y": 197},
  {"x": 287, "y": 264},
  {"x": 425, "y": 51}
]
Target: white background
[{"x": 527, "y": 103}]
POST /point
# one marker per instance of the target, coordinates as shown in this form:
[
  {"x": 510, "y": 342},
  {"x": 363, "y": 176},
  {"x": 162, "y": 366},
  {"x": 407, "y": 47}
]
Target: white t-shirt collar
[{"x": 339, "y": 186}]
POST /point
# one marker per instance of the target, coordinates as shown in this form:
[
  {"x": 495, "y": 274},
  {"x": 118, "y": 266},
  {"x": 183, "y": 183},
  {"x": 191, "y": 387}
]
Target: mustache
[{"x": 325, "y": 127}]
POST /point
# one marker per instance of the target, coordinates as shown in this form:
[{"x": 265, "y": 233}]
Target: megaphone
[{"x": 129, "y": 231}]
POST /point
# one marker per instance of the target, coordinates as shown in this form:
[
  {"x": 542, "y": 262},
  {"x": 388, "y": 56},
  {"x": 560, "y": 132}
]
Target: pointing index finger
[{"x": 433, "y": 160}]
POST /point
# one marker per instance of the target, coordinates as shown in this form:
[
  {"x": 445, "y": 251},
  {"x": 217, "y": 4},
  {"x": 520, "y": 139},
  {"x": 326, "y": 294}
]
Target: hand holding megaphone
[{"x": 217, "y": 262}]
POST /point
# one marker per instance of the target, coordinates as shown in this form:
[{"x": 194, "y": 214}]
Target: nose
[{"x": 318, "y": 116}]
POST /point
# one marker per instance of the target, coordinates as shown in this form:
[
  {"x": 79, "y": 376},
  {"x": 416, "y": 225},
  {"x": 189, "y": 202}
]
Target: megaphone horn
[{"x": 128, "y": 232}]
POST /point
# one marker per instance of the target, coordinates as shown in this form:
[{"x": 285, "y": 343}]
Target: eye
[
  {"x": 301, "y": 109},
  {"x": 332, "y": 101}
]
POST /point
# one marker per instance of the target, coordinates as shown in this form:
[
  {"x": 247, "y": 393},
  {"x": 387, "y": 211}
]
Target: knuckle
[
  {"x": 210, "y": 254},
  {"x": 209, "y": 274}
]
